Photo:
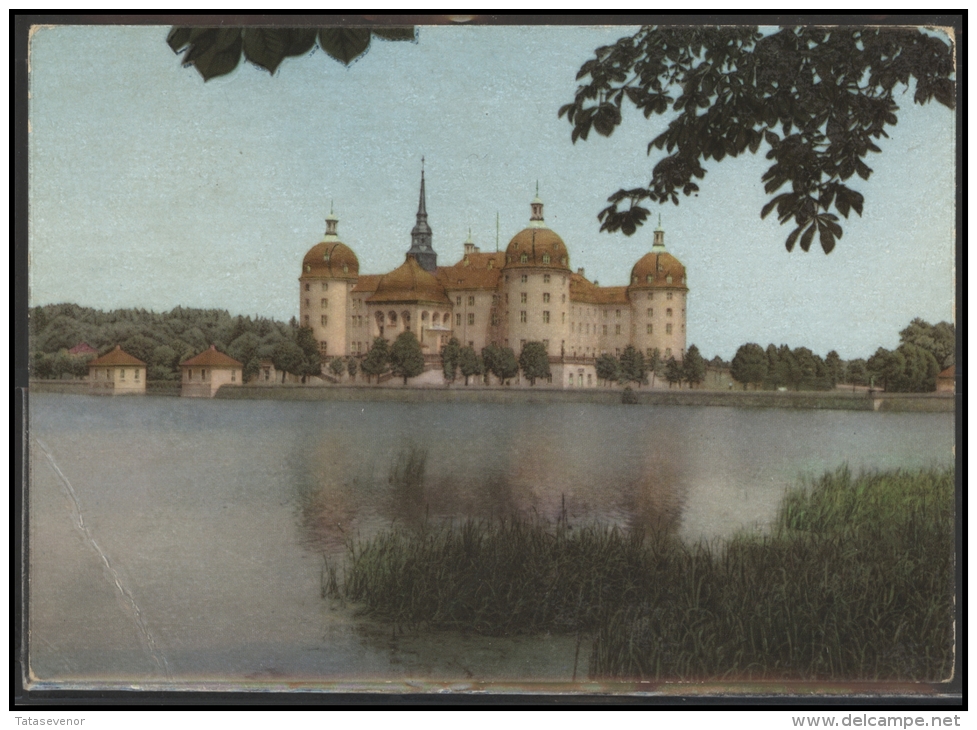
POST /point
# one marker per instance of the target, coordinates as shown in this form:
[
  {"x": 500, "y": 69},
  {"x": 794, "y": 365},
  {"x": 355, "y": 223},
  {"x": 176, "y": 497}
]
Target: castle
[{"x": 527, "y": 293}]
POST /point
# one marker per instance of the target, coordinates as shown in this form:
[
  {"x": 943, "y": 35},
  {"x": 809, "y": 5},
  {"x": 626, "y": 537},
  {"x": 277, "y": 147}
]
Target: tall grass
[{"x": 854, "y": 581}]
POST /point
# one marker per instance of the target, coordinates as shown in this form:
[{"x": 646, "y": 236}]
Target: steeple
[
  {"x": 659, "y": 234},
  {"x": 536, "y": 218},
  {"x": 331, "y": 221},
  {"x": 420, "y": 236}
]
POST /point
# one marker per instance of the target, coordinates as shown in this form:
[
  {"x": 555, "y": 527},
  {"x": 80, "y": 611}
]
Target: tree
[
  {"x": 939, "y": 339},
  {"x": 449, "y": 359},
  {"x": 673, "y": 372},
  {"x": 833, "y": 367},
  {"x": 377, "y": 359},
  {"x": 337, "y": 367},
  {"x": 305, "y": 339},
  {"x": 693, "y": 367},
  {"x": 856, "y": 373},
  {"x": 288, "y": 358},
  {"x": 817, "y": 97},
  {"x": 749, "y": 364},
  {"x": 534, "y": 361},
  {"x": 468, "y": 363},
  {"x": 633, "y": 368},
  {"x": 351, "y": 367},
  {"x": 654, "y": 364},
  {"x": 217, "y": 51},
  {"x": 506, "y": 366},
  {"x": 406, "y": 356},
  {"x": 608, "y": 368}
]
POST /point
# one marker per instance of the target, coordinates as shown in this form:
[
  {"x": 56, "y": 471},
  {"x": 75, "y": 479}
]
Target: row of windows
[
  {"x": 122, "y": 374},
  {"x": 325, "y": 286}
]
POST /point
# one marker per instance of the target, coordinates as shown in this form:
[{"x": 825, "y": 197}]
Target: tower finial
[
  {"x": 420, "y": 236},
  {"x": 537, "y": 187}
]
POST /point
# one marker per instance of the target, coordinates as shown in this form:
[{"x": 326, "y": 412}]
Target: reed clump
[{"x": 853, "y": 581}]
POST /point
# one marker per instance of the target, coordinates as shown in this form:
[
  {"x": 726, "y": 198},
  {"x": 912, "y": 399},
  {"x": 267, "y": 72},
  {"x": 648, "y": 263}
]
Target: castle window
[
  {"x": 525, "y": 278},
  {"x": 458, "y": 319},
  {"x": 649, "y": 328},
  {"x": 563, "y": 298},
  {"x": 471, "y": 344},
  {"x": 649, "y": 278},
  {"x": 651, "y": 312},
  {"x": 308, "y": 302},
  {"x": 522, "y": 316},
  {"x": 203, "y": 374},
  {"x": 523, "y": 298},
  {"x": 668, "y": 295},
  {"x": 546, "y": 278},
  {"x": 563, "y": 317},
  {"x": 617, "y": 329},
  {"x": 324, "y": 320},
  {"x": 668, "y": 312},
  {"x": 471, "y": 301},
  {"x": 546, "y": 317},
  {"x": 668, "y": 329},
  {"x": 424, "y": 316},
  {"x": 668, "y": 279},
  {"x": 306, "y": 320},
  {"x": 587, "y": 329},
  {"x": 458, "y": 301},
  {"x": 234, "y": 376},
  {"x": 524, "y": 259},
  {"x": 617, "y": 313},
  {"x": 683, "y": 328},
  {"x": 323, "y": 347},
  {"x": 324, "y": 303},
  {"x": 564, "y": 260},
  {"x": 546, "y": 296},
  {"x": 471, "y": 318},
  {"x": 345, "y": 269},
  {"x": 651, "y": 295},
  {"x": 135, "y": 373},
  {"x": 605, "y": 329},
  {"x": 307, "y": 286},
  {"x": 308, "y": 268},
  {"x": 325, "y": 286},
  {"x": 122, "y": 374},
  {"x": 189, "y": 374},
  {"x": 546, "y": 258},
  {"x": 325, "y": 257}
]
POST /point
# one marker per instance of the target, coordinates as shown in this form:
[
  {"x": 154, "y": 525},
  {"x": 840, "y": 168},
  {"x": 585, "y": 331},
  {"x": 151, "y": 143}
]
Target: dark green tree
[
  {"x": 449, "y": 359},
  {"x": 217, "y": 51},
  {"x": 834, "y": 367},
  {"x": 816, "y": 99},
  {"x": 377, "y": 360},
  {"x": 469, "y": 363},
  {"x": 406, "y": 356},
  {"x": 655, "y": 364},
  {"x": 673, "y": 372},
  {"x": 633, "y": 368},
  {"x": 939, "y": 339},
  {"x": 305, "y": 339},
  {"x": 289, "y": 358},
  {"x": 351, "y": 367},
  {"x": 856, "y": 373},
  {"x": 337, "y": 367},
  {"x": 534, "y": 362},
  {"x": 608, "y": 368},
  {"x": 749, "y": 365},
  {"x": 693, "y": 367},
  {"x": 506, "y": 365}
]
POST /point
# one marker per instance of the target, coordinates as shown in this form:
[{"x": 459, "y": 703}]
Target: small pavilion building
[
  {"x": 203, "y": 375},
  {"x": 117, "y": 373}
]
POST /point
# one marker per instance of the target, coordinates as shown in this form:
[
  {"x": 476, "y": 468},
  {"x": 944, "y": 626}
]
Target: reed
[{"x": 853, "y": 581}]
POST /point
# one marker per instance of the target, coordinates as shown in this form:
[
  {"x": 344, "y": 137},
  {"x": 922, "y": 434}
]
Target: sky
[{"x": 150, "y": 188}]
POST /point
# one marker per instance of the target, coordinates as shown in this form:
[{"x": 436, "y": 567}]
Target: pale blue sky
[{"x": 150, "y": 188}]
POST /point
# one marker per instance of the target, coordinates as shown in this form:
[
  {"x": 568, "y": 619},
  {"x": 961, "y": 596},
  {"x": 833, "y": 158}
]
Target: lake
[{"x": 182, "y": 541}]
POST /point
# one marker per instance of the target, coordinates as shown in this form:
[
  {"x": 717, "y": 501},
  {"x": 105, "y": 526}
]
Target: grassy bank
[{"x": 854, "y": 581}]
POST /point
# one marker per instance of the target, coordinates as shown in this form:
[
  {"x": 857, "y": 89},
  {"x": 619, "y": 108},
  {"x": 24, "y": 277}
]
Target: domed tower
[
  {"x": 657, "y": 293},
  {"x": 536, "y": 286},
  {"x": 329, "y": 272}
]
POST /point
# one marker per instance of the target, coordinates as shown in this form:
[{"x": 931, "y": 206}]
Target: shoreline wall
[{"x": 828, "y": 400}]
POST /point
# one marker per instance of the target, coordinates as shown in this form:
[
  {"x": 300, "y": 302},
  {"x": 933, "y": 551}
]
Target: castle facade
[{"x": 526, "y": 293}]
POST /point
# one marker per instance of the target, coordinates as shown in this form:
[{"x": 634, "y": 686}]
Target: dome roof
[
  {"x": 331, "y": 259},
  {"x": 409, "y": 283},
  {"x": 658, "y": 269},
  {"x": 541, "y": 247}
]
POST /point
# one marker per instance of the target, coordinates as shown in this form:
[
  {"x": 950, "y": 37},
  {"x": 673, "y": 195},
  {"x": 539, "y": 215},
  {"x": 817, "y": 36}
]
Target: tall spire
[
  {"x": 420, "y": 236},
  {"x": 659, "y": 234},
  {"x": 536, "y": 218},
  {"x": 331, "y": 221}
]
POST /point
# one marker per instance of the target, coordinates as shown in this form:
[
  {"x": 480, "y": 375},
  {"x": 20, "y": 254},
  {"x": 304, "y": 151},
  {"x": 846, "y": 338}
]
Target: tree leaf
[
  {"x": 344, "y": 44},
  {"x": 395, "y": 33},
  {"x": 807, "y": 238},
  {"x": 221, "y": 57},
  {"x": 792, "y": 238},
  {"x": 178, "y": 38},
  {"x": 265, "y": 47},
  {"x": 827, "y": 240}
]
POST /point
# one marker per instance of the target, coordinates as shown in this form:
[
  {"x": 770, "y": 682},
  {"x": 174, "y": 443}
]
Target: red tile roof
[
  {"x": 213, "y": 358},
  {"x": 116, "y": 357}
]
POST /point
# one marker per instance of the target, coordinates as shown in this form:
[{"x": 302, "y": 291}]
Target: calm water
[{"x": 183, "y": 540}]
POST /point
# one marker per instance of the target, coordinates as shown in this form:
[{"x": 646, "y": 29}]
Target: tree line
[
  {"x": 924, "y": 351},
  {"x": 165, "y": 339}
]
